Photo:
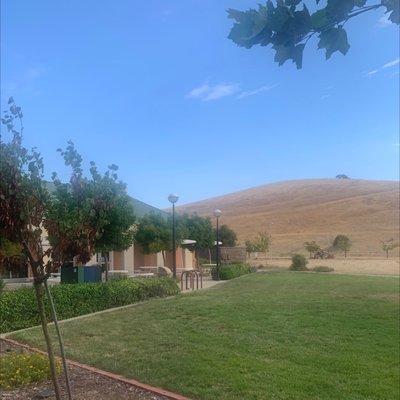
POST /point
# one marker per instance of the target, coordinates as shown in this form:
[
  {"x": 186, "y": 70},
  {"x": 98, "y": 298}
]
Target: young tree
[
  {"x": 288, "y": 25},
  {"x": 311, "y": 247},
  {"x": 261, "y": 244},
  {"x": 79, "y": 216},
  {"x": 227, "y": 236},
  {"x": 88, "y": 215},
  {"x": 23, "y": 203},
  {"x": 343, "y": 243},
  {"x": 389, "y": 245}
]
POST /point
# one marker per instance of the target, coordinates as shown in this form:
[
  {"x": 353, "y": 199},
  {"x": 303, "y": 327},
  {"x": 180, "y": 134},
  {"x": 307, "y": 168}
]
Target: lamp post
[
  {"x": 173, "y": 198},
  {"x": 217, "y": 214}
]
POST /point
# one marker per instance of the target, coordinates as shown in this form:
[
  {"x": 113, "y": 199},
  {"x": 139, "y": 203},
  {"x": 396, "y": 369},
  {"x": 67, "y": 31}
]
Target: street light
[
  {"x": 217, "y": 214},
  {"x": 173, "y": 198}
]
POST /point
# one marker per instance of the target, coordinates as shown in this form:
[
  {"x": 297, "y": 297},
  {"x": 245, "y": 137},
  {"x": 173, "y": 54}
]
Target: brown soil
[
  {"x": 317, "y": 209},
  {"x": 85, "y": 386}
]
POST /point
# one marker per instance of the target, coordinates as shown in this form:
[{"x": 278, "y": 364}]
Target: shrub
[
  {"x": 2, "y": 284},
  {"x": 19, "y": 369},
  {"x": 322, "y": 268},
  {"x": 299, "y": 263},
  {"x": 231, "y": 271},
  {"x": 18, "y": 308}
]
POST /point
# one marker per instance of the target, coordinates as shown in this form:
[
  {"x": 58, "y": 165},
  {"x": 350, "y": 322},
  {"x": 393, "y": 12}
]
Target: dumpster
[{"x": 80, "y": 274}]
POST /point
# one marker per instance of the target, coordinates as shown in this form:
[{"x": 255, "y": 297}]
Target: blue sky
[{"x": 156, "y": 88}]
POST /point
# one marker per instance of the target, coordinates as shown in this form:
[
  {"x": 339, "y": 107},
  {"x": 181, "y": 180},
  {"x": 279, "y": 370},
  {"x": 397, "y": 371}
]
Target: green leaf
[
  {"x": 334, "y": 39},
  {"x": 319, "y": 19},
  {"x": 294, "y": 53},
  {"x": 393, "y": 7}
]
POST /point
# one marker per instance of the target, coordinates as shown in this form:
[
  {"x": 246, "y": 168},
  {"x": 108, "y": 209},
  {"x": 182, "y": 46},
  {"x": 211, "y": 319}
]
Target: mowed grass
[{"x": 262, "y": 336}]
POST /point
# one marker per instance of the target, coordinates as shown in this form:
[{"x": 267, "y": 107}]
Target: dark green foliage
[
  {"x": 288, "y": 25},
  {"x": 153, "y": 233},
  {"x": 299, "y": 263},
  {"x": 231, "y": 271},
  {"x": 343, "y": 243},
  {"x": 227, "y": 236},
  {"x": 196, "y": 228},
  {"x": 322, "y": 268},
  {"x": 18, "y": 308}
]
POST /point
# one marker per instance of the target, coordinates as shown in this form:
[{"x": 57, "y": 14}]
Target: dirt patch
[{"x": 85, "y": 386}]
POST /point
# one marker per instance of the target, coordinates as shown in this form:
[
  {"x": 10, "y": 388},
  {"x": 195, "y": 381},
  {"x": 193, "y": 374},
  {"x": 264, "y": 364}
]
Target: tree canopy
[
  {"x": 311, "y": 247},
  {"x": 343, "y": 243},
  {"x": 227, "y": 236},
  {"x": 196, "y": 228},
  {"x": 288, "y": 25},
  {"x": 261, "y": 244}
]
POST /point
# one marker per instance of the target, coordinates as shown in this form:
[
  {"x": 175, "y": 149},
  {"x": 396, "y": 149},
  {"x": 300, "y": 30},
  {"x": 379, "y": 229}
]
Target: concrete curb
[{"x": 133, "y": 382}]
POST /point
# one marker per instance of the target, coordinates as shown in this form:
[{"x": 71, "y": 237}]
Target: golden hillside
[{"x": 297, "y": 211}]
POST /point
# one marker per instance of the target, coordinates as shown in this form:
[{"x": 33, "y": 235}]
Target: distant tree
[
  {"x": 196, "y": 228},
  {"x": 389, "y": 245},
  {"x": 153, "y": 234},
  {"x": 227, "y": 236},
  {"x": 288, "y": 25},
  {"x": 261, "y": 244},
  {"x": 342, "y": 176},
  {"x": 343, "y": 243},
  {"x": 311, "y": 247}
]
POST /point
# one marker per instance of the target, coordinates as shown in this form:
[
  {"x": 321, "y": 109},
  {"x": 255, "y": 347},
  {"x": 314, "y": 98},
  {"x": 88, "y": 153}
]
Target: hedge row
[
  {"x": 18, "y": 308},
  {"x": 231, "y": 271}
]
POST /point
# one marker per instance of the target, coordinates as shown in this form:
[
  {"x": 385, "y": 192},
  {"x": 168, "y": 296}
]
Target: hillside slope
[{"x": 296, "y": 211}]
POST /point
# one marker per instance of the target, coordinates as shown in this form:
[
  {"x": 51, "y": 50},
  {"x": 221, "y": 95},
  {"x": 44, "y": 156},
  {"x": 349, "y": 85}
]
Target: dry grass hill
[{"x": 317, "y": 209}]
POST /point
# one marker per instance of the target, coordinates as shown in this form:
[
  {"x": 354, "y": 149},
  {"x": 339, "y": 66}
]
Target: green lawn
[{"x": 262, "y": 336}]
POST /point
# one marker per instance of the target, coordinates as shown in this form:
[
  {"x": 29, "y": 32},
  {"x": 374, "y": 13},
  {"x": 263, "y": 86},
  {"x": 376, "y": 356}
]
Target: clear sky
[{"x": 156, "y": 88}]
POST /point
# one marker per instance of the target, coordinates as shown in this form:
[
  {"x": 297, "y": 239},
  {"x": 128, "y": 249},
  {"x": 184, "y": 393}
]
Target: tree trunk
[
  {"x": 387, "y": 253},
  {"x": 345, "y": 254},
  {"x": 39, "y": 298},
  {"x": 209, "y": 256},
  {"x": 60, "y": 341}
]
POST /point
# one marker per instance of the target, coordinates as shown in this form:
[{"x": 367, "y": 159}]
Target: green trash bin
[{"x": 69, "y": 273}]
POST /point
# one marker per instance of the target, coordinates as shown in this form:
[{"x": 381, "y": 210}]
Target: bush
[
  {"x": 19, "y": 369},
  {"x": 231, "y": 271},
  {"x": 322, "y": 268},
  {"x": 18, "y": 308},
  {"x": 2, "y": 284},
  {"x": 299, "y": 263}
]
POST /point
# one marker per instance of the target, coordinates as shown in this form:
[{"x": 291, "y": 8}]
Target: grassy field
[{"x": 262, "y": 336}]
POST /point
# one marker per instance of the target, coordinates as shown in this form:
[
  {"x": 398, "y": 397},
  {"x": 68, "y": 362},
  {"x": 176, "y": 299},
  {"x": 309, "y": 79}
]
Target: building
[{"x": 131, "y": 261}]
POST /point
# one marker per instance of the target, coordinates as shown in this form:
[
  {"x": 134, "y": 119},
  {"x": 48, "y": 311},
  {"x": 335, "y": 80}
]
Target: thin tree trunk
[
  {"x": 106, "y": 265},
  {"x": 209, "y": 256},
  {"x": 39, "y": 298},
  {"x": 60, "y": 341}
]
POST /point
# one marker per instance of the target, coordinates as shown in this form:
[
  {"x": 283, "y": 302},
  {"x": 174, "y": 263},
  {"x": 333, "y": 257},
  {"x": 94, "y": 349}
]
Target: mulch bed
[{"x": 85, "y": 386}]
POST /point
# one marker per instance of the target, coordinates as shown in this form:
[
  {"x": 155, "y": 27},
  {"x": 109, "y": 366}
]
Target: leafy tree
[
  {"x": 77, "y": 216},
  {"x": 88, "y": 215},
  {"x": 389, "y": 245},
  {"x": 342, "y": 176},
  {"x": 288, "y": 25},
  {"x": 261, "y": 244},
  {"x": 153, "y": 234},
  {"x": 23, "y": 203},
  {"x": 343, "y": 243},
  {"x": 227, "y": 236},
  {"x": 311, "y": 247},
  {"x": 196, "y": 228}
]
